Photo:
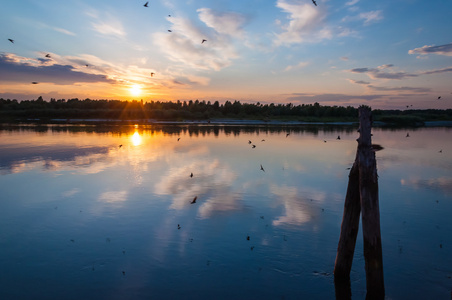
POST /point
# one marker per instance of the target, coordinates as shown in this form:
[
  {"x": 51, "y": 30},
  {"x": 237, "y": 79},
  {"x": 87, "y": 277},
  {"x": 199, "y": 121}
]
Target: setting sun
[{"x": 135, "y": 90}]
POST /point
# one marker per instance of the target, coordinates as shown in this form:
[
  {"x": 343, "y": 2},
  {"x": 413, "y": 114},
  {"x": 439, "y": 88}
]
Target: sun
[{"x": 135, "y": 90}]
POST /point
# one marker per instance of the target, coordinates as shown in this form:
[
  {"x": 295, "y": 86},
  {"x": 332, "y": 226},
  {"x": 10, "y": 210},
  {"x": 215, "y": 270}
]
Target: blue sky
[{"x": 386, "y": 54}]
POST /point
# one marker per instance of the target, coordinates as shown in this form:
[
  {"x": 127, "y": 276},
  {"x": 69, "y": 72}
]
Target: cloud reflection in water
[{"x": 211, "y": 183}]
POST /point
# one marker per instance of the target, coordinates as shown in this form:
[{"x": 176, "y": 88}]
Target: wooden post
[
  {"x": 362, "y": 195},
  {"x": 370, "y": 208}
]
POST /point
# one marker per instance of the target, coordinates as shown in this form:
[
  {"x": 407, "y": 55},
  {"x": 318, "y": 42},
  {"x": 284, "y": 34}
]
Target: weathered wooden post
[{"x": 362, "y": 196}]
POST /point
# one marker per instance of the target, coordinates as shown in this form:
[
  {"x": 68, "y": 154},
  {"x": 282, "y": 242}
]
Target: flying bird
[
  {"x": 262, "y": 168},
  {"x": 194, "y": 200},
  {"x": 439, "y": 97},
  {"x": 338, "y": 137},
  {"x": 407, "y": 134},
  {"x": 191, "y": 175},
  {"x": 249, "y": 142},
  {"x": 34, "y": 82},
  {"x": 48, "y": 55},
  {"x": 203, "y": 41},
  {"x": 170, "y": 30},
  {"x": 11, "y": 40},
  {"x": 287, "y": 134},
  {"x": 152, "y": 74},
  {"x": 254, "y": 146},
  {"x": 178, "y": 139},
  {"x": 146, "y": 4},
  {"x": 315, "y": 3}
]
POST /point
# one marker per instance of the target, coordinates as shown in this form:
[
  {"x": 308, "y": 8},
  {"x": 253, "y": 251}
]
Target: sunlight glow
[
  {"x": 136, "y": 139},
  {"x": 135, "y": 90}
]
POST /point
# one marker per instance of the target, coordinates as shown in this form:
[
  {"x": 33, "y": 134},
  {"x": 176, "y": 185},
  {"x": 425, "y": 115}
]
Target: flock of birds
[{"x": 87, "y": 65}]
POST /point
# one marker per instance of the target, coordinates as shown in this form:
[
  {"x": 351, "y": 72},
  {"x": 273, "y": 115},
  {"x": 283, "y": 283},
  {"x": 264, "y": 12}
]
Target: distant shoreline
[{"x": 237, "y": 122}]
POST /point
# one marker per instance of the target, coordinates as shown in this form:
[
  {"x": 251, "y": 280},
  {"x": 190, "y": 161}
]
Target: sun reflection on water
[{"x": 136, "y": 139}]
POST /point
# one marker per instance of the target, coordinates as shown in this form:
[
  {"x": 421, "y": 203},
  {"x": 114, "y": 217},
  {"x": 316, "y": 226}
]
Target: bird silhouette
[
  {"x": 194, "y": 200},
  {"x": 146, "y": 4},
  {"x": 338, "y": 137},
  {"x": 407, "y": 134},
  {"x": 439, "y": 97},
  {"x": 178, "y": 226},
  {"x": 191, "y": 175},
  {"x": 87, "y": 65},
  {"x": 254, "y": 146},
  {"x": 178, "y": 139},
  {"x": 441, "y": 151},
  {"x": 247, "y": 237},
  {"x": 34, "y": 82},
  {"x": 315, "y": 3},
  {"x": 262, "y": 168},
  {"x": 249, "y": 142},
  {"x": 263, "y": 141},
  {"x": 203, "y": 41},
  {"x": 11, "y": 40},
  {"x": 152, "y": 74},
  {"x": 170, "y": 30},
  {"x": 48, "y": 55},
  {"x": 287, "y": 134},
  {"x": 120, "y": 146}
]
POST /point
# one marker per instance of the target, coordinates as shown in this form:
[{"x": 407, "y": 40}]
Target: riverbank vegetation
[{"x": 115, "y": 110}]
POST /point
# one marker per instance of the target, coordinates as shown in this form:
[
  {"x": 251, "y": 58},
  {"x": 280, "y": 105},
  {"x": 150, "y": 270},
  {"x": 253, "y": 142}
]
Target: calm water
[{"x": 82, "y": 217}]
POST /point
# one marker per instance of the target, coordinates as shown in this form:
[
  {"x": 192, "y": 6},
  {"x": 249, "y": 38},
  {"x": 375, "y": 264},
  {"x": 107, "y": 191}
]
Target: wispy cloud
[
  {"x": 352, "y": 2},
  {"x": 445, "y": 49},
  {"x": 400, "y": 89},
  {"x": 371, "y": 16},
  {"x": 306, "y": 24},
  {"x": 359, "y": 81},
  {"x": 184, "y": 45},
  {"x": 230, "y": 23},
  {"x": 377, "y": 73},
  {"x": 106, "y": 24},
  {"x": 297, "y": 66}
]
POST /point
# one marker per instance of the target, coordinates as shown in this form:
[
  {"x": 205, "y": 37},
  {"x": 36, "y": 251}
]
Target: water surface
[{"x": 90, "y": 212}]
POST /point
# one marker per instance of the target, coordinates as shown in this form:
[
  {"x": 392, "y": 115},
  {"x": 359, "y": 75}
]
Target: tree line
[{"x": 193, "y": 110}]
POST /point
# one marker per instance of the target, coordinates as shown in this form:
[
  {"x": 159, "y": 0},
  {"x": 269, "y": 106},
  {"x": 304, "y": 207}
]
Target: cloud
[
  {"x": 21, "y": 69},
  {"x": 352, "y": 2},
  {"x": 114, "y": 28},
  {"x": 183, "y": 45},
  {"x": 368, "y": 17},
  {"x": 439, "y": 50},
  {"x": 376, "y": 73},
  {"x": 401, "y": 88},
  {"x": 62, "y": 30},
  {"x": 106, "y": 24},
  {"x": 445, "y": 70},
  {"x": 340, "y": 98},
  {"x": 371, "y": 16},
  {"x": 306, "y": 24},
  {"x": 230, "y": 23},
  {"x": 344, "y": 58},
  {"x": 358, "y": 81},
  {"x": 297, "y": 66}
]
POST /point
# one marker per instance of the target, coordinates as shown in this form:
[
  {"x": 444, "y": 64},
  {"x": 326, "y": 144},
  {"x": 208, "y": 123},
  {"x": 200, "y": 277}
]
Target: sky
[{"x": 385, "y": 54}]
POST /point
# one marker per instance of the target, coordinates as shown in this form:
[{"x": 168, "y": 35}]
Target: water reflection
[{"x": 121, "y": 205}]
